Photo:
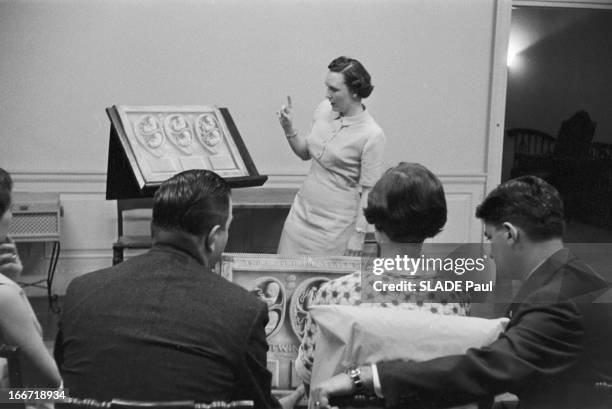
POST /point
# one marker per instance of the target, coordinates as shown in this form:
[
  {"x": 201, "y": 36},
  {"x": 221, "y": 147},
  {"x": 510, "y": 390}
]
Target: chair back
[
  {"x": 124, "y": 205},
  {"x": 78, "y": 403},
  {"x": 357, "y": 401},
  {"x": 130, "y": 242},
  {"x": 11, "y": 354},
  {"x": 527, "y": 152}
]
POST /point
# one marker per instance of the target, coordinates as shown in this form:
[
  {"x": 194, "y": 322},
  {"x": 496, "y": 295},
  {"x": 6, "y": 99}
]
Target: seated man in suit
[
  {"x": 556, "y": 346},
  {"x": 163, "y": 325}
]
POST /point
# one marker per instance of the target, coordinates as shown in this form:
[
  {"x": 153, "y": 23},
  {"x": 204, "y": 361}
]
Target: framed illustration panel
[
  {"x": 149, "y": 144},
  {"x": 285, "y": 284}
]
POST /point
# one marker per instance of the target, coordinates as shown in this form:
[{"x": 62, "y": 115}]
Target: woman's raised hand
[
  {"x": 10, "y": 264},
  {"x": 285, "y": 118}
]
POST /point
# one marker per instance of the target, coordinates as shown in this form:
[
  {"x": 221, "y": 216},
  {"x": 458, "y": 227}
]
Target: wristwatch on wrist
[{"x": 355, "y": 374}]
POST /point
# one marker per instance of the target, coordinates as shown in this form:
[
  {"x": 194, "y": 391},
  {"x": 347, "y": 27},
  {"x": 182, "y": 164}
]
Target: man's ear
[
  {"x": 512, "y": 232},
  {"x": 211, "y": 238}
]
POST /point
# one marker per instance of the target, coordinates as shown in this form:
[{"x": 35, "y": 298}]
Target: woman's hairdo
[
  {"x": 356, "y": 77},
  {"x": 407, "y": 204}
]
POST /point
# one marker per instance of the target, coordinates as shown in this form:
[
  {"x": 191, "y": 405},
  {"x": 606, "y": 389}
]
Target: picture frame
[
  {"x": 285, "y": 284},
  {"x": 149, "y": 144}
]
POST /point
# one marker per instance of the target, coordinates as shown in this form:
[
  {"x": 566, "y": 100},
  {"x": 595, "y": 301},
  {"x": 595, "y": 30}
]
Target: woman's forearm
[
  {"x": 18, "y": 328},
  {"x": 296, "y": 141},
  {"x": 298, "y": 144}
]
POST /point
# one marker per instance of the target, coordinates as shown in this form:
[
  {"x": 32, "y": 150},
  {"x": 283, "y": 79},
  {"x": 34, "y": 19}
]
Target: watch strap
[{"x": 355, "y": 374}]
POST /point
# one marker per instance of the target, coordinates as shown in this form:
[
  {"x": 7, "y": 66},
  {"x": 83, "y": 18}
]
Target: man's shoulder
[
  {"x": 565, "y": 276},
  {"x": 146, "y": 265},
  {"x": 576, "y": 275},
  {"x": 94, "y": 278},
  {"x": 90, "y": 278},
  {"x": 232, "y": 291}
]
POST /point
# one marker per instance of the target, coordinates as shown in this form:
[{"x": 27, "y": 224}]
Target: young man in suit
[
  {"x": 163, "y": 325},
  {"x": 556, "y": 347}
]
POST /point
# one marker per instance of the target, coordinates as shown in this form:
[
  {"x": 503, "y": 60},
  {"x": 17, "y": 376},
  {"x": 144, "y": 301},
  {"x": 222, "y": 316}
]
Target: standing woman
[{"x": 347, "y": 147}]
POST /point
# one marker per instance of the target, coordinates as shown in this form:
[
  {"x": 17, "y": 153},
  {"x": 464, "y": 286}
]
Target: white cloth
[
  {"x": 350, "y": 336},
  {"x": 348, "y": 290}
]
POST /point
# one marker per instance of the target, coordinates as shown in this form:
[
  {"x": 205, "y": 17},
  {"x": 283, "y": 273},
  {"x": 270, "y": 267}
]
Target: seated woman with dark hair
[
  {"x": 407, "y": 206},
  {"x": 18, "y": 324}
]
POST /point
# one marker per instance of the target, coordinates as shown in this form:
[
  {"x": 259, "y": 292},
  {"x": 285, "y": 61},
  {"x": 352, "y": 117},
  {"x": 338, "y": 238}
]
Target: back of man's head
[
  {"x": 193, "y": 202},
  {"x": 527, "y": 202}
]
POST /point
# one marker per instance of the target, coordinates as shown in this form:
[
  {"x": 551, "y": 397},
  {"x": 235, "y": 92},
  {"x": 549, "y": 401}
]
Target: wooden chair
[
  {"x": 11, "y": 354},
  {"x": 532, "y": 152},
  {"x": 374, "y": 402},
  {"x": 77, "y": 403},
  {"x": 125, "y": 241},
  {"x": 357, "y": 401}
]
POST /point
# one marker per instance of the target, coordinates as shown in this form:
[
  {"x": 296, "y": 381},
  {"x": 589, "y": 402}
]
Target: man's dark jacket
[
  {"x": 556, "y": 346},
  {"x": 161, "y": 327}
]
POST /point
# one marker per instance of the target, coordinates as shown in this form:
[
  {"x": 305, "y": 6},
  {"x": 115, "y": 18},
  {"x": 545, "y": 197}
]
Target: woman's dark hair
[
  {"x": 407, "y": 204},
  {"x": 193, "y": 201},
  {"x": 527, "y": 202},
  {"x": 356, "y": 77},
  {"x": 6, "y": 186}
]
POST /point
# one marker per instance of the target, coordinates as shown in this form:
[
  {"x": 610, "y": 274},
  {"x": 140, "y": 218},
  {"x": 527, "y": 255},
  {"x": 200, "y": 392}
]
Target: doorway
[{"x": 559, "y": 87}]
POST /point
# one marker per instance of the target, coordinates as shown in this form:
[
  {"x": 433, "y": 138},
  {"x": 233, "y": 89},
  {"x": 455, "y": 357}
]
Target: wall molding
[
  {"x": 88, "y": 224},
  {"x": 95, "y": 182},
  {"x": 589, "y": 4}
]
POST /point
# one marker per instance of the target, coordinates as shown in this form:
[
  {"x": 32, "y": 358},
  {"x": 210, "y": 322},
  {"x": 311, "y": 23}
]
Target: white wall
[{"x": 63, "y": 62}]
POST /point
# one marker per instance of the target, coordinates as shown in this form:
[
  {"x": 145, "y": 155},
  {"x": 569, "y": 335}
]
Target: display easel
[
  {"x": 149, "y": 144},
  {"x": 128, "y": 173}
]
